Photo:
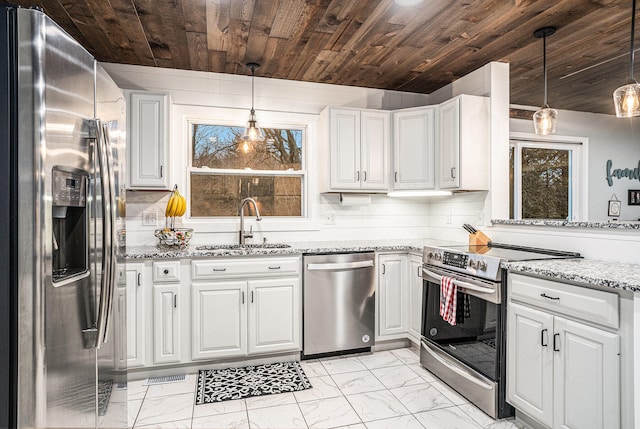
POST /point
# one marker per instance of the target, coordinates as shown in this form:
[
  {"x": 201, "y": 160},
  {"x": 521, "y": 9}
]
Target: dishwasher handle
[{"x": 339, "y": 266}]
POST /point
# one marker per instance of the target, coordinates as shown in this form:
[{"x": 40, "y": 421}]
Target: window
[
  {"x": 545, "y": 180},
  {"x": 223, "y": 171}
]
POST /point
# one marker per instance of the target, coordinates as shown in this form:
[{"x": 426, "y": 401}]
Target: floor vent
[{"x": 151, "y": 381}]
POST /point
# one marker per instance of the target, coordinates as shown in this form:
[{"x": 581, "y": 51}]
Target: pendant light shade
[
  {"x": 627, "y": 98},
  {"x": 545, "y": 119},
  {"x": 252, "y": 133}
]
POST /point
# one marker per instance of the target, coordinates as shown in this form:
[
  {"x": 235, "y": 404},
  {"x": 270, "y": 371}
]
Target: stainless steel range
[{"x": 470, "y": 355}]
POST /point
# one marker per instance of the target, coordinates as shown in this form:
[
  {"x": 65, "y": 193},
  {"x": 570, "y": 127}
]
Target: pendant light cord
[
  {"x": 253, "y": 72},
  {"x": 633, "y": 32},
  {"x": 544, "y": 66}
]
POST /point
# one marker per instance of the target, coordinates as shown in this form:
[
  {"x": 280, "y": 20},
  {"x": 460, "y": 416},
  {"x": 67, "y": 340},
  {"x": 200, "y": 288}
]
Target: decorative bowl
[{"x": 174, "y": 237}]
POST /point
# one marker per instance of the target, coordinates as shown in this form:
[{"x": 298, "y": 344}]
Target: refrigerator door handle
[
  {"x": 108, "y": 266},
  {"x": 112, "y": 222}
]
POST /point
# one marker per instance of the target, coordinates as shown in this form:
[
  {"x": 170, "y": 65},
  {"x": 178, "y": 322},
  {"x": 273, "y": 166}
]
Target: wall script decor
[{"x": 619, "y": 173}]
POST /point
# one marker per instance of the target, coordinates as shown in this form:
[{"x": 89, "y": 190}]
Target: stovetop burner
[{"x": 485, "y": 261}]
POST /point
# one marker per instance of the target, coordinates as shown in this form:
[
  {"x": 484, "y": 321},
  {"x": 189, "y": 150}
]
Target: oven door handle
[
  {"x": 453, "y": 366},
  {"x": 460, "y": 283}
]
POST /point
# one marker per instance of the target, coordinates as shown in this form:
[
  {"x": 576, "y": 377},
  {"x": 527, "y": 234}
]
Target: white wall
[
  {"x": 208, "y": 94},
  {"x": 609, "y": 138},
  {"x": 212, "y": 95}
]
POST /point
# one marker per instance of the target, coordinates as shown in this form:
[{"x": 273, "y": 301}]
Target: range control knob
[
  {"x": 437, "y": 256},
  {"x": 473, "y": 263},
  {"x": 482, "y": 265},
  {"x": 430, "y": 255}
]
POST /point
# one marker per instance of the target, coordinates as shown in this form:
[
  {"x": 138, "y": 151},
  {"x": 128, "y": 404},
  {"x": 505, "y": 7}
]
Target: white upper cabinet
[
  {"x": 359, "y": 154},
  {"x": 463, "y": 143},
  {"x": 148, "y": 148},
  {"x": 413, "y": 143},
  {"x": 374, "y": 150}
]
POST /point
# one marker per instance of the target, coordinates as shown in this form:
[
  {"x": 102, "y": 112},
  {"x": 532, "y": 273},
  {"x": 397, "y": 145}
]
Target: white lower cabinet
[
  {"x": 245, "y": 314},
  {"x": 166, "y": 323},
  {"x": 415, "y": 297},
  {"x": 561, "y": 372},
  {"x": 134, "y": 305},
  {"x": 392, "y": 296},
  {"x": 219, "y": 319},
  {"x": 274, "y": 315}
]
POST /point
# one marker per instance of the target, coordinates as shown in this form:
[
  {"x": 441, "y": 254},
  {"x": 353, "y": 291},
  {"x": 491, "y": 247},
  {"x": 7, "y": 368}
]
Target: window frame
[
  {"x": 578, "y": 180},
  {"x": 302, "y": 173}
]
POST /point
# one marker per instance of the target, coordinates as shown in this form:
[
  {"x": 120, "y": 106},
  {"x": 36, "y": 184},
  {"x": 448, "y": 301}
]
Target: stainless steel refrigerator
[{"x": 62, "y": 141}]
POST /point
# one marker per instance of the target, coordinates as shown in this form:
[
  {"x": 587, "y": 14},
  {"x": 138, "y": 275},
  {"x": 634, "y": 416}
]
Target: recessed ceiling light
[{"x": 407, "y": 2}]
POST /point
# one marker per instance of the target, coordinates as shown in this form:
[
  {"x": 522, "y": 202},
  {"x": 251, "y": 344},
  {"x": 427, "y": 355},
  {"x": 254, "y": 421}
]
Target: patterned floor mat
[{"x": 217, "y": 385}]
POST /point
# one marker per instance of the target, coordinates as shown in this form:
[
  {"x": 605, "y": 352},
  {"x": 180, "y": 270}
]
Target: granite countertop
[
  {"x": 297, "y": 248},
  {"x": 633, "y": 225},
  {"x": 609, "y": 274}
]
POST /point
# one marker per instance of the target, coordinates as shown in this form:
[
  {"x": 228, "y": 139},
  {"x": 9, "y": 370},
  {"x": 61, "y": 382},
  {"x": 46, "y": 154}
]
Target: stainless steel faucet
[{"x": 244, "y": 235}]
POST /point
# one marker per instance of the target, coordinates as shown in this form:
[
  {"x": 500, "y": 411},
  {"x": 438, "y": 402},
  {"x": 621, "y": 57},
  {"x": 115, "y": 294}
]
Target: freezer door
[
  {"x": 56, "y": 362},
  {"x": 112, "y": 354}
]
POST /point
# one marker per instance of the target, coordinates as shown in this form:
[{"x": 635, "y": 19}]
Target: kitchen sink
[{"x": 244, "y": 246}]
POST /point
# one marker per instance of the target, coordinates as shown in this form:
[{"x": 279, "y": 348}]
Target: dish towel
[{"x": 448, "y": 299}]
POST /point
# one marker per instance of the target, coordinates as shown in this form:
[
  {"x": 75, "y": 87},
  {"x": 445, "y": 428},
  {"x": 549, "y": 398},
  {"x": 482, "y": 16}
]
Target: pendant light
[
  {"x": 627, "y": 97},
  {"x": 545, "y": 119},
  {"x": 252, "y": 134}
]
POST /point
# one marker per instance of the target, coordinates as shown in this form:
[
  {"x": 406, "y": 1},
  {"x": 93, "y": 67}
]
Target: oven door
[{"x": 472, "y": 340}]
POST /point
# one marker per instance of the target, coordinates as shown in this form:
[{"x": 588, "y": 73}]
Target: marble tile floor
[{"x": 383, "y": 390}]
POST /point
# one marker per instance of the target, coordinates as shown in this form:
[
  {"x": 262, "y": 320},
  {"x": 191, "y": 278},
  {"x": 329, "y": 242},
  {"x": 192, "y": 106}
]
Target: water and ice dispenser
[{"x": 70, "y": 223}]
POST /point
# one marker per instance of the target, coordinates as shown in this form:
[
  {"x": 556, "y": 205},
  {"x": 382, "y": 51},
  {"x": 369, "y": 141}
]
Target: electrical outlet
[
  {"x": 480, "y": 218},
  {"x": 150, "y": 218},
  {"x": 329, "y": 219}
]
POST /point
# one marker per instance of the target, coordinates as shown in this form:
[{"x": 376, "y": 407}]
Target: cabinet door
[
  {"x": 375, "y": 152},
  {"x": 274, "y": 315},
  {"x": 148, "y": 141},
  {"x": 587, "y": 377},
  {"x": 166, "y": 323},
  {"x": 345, "y": 149},
  {"x": 415, "y": 297},
  {"x": 530, "y": 362},
  {"x": 392, "y": 313},
  {"x": 449, "y": 144},
  {"x": 219, "y": 319},
  {"x": 135, "y": 315},
  {"x": 413, "y": 142}
]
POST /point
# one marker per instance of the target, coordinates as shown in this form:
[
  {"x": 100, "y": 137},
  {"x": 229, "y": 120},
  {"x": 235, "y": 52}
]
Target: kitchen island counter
[{"x": 610, "y": 274}]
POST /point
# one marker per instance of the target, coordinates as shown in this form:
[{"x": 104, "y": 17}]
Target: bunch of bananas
[{"x": 177, "y": 204}]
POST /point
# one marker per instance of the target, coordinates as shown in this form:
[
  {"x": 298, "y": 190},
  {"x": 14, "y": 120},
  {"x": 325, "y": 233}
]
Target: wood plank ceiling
[{"x": 369, "y": 43}]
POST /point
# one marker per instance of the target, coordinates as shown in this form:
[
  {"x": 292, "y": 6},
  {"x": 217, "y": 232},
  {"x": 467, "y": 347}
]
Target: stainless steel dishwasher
[{"x": 339, "y": 302}]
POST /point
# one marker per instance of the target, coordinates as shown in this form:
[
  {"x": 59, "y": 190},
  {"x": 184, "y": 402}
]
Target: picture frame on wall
[
  {"x": 614, "y": 208},
  {"x": 634, "y": 197}
]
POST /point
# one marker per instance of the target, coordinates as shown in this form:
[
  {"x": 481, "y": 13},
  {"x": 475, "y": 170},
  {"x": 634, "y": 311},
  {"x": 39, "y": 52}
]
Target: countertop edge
[
  {"x": 565, "y": 270},
  {"x": 631, "y": 225}
]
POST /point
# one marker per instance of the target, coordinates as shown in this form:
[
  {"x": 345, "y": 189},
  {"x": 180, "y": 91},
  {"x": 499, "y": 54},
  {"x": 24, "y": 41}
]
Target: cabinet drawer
[
  {"x": 229, "y": 268},
  {"x": 579, "y": 302},
  {"x": 166, "y": 271}
]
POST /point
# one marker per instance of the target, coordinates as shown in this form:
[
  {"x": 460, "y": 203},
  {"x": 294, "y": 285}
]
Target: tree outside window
[
  {"x": 224, "y": 171},
  {"x": 541, "y": 180}
]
